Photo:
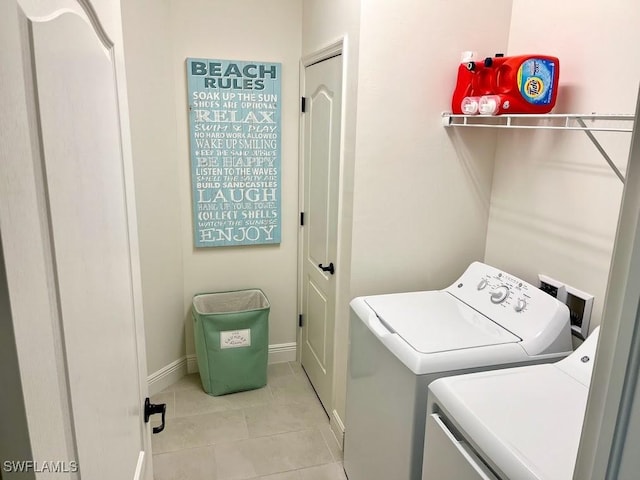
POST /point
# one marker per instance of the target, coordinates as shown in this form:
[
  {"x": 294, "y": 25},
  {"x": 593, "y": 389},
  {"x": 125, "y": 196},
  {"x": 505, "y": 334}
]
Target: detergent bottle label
[{"x": 535, "y": 80}]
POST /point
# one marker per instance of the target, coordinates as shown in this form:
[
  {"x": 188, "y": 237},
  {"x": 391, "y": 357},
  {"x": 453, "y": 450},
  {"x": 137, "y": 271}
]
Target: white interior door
[
  {"x": 68, "y": 230},
  {"x": 321, "y": 164}
]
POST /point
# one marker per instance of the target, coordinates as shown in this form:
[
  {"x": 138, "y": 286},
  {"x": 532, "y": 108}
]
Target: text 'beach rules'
[{"x": 235, "y": 141}]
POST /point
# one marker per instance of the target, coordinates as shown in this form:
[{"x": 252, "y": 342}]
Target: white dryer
[
  {"x": 513, "y": 424},
  {"x": 399, "y": 343}
]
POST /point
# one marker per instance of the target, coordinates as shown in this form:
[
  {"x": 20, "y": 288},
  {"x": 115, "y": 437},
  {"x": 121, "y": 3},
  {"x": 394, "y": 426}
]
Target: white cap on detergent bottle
[
  {"x": 467, "y": 56},
  {"x": 489, "y": 104},
  {"x": 470, "y": 105}
]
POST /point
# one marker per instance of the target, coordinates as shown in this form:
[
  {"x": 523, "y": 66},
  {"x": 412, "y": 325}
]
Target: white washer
[
  {"x": 399, "y": 343},
  {"x": 513, "y": 424}
]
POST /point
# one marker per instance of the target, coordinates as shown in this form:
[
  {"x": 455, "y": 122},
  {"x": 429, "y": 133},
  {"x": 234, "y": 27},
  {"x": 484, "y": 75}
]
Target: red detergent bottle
[
  {"x": 499, "y": 85},
  {"x": 521, "y": 84}
]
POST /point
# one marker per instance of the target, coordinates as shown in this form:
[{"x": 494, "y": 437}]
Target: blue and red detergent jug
[{"x": 519, "y": 84}]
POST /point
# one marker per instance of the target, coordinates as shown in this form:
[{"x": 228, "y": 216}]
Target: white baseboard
[
  {"x": 337, "y": 427},
  {"x": 158, "y": 381},
  {"x": 282, "y": 352},
  {"x": 192, "y": 363},
  {"x": 166, "y": 376}
]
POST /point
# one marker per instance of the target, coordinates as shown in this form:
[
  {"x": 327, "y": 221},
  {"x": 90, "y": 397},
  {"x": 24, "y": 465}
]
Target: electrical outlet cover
[
  {"x": 580, "y": 306},
  {"x": 561, "y": 292}
]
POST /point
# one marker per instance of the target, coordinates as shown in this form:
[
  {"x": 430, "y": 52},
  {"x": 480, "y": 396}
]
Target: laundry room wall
[
  {"x": 152, "y": 115},
  {"x": 555, "y": 201},
  {"x": 241, "y": 30},
  {"x": 159, "y": 36},
  {"x": 421, "y": 193}
]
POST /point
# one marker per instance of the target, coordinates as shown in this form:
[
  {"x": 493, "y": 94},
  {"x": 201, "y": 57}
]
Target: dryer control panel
[{"x": 538, "y": 319}]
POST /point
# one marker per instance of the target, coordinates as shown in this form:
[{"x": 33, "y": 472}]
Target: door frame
[
  {"x": 342, "y": 275},
  {"x": 39, "y": 334},
  {"x": 615, "y": 393}
]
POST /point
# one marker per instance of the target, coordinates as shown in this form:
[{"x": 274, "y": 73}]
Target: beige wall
[
  {"x": 159, "y": 36},
  {"x": 421, "y": 197},
  {"x": 242, "y": 30},
  {"x": 151, "y": 89},
  {"x": 555, "y": 201}
]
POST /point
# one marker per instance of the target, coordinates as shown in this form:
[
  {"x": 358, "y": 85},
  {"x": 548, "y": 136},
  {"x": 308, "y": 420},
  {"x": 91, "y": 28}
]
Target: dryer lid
[
  {"x": 432, "y": 322},
  {"x": 527, "y": 420}
]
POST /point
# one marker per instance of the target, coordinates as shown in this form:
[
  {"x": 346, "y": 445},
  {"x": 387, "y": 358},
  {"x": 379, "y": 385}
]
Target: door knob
[
  {"x": 331, "y": 269},
  {"x": 153, "y": 409}
]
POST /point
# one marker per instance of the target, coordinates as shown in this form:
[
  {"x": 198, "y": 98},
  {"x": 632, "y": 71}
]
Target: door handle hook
[{"x": 331, "y": 268}]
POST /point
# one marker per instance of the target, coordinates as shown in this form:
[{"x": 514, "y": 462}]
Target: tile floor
[{"x": 279, "y": 432}]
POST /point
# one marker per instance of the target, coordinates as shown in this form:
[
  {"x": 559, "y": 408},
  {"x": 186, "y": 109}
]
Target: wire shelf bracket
[{"x": 571, "y": 122}]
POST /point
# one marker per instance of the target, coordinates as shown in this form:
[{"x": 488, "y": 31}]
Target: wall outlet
[
  {"x": 553, "y": 287},
  {"x": 580, "y": 305}
]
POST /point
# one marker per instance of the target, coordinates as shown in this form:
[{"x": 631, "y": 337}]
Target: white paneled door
[
  {"x": 321, "y": 157},
  {"x": 68, "y": 228}
]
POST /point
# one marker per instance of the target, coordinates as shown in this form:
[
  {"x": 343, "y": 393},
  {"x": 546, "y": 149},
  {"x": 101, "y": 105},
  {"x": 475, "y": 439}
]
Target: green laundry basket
[{"x": 231, "y": 332}]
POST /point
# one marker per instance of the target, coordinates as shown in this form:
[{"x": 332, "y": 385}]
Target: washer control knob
[
  {"x": 520, "y": 304},
  {"x": 500, "y": 294},
  {"x": 482, "y": 284}
]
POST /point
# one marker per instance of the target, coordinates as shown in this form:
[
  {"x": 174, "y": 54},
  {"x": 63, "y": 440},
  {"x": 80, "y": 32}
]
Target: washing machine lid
[{"x": 436, "y": 321}]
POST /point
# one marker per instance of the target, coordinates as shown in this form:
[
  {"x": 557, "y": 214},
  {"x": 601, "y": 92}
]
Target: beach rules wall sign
[{"x": 235, "y": 142}]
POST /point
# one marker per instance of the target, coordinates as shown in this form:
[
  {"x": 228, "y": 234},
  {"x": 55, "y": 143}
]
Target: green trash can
[{"x": 231, "y": 332}]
